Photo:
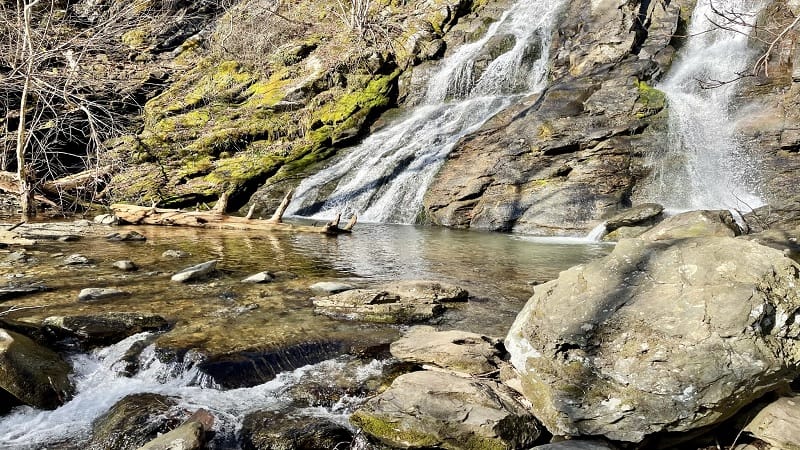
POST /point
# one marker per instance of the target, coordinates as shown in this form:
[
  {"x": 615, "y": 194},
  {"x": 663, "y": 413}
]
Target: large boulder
[
  {"x": 658, "y": 336},
  {"x": 396, "y": 302},
  {"x": 269, "y": 430},
  {"x": 635, "y": 216},
  {"x": 778, "y": 424},
  {"x": 461, "y": 351},
  {"x": 441, "y": 410},
  {"x": 692, "y": 224},
  {"x": 35, "y": 375}
]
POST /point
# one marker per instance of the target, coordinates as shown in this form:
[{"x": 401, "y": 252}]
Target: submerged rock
[
  {"x": 33, "y": 374},
  {"x": 89, "y": 294},
  {"x": 460, "y": 351},
  {"x": 261, "y": 277},
  {"x": 664, "y": 336},
  {"x": 396, "y": 302},
  {"x": 77, "y": 260},
  {"x": 20, "y": 290},
  {"x": 126, "y": 236},
  {"x": 133, "y": 421},
  {"x": 125, "y": 265},
  {"x": 105, "y": 328},
  {"x": 778, "y": 424},
  {"x": 435, "y": 409},
  {"x": 196, "y": 272},
  {"x": 277, "y": 431},
  {"x": 330, "y": 287},
  {"x": 174, "y": 254}
]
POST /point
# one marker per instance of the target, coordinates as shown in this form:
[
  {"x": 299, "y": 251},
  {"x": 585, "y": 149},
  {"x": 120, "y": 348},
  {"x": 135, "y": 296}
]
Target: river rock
[
  {"x": 635, "y": 216},
  {"x": 659, "y": 336},
  {"x": 694, "y": 224},
  {"x": 126, "y": 236},
  {"x": 89, "y": 294},
  {"x": 330, "y": 287},
  {"x": 189, "y": 436},
  {"x": 20, "y": 290},
  {"x": 77, "y": 260},
  {"x": 33, "y": 374},
  {"x": 778, "y": 424},
  {"x": 396, "y": 302},
  {"x": 174, "y": 254},
  {"x": 781, "y": 216},
  {"x": 105, "y": 328},
  {"x": 435, "y": 409},
  {"x": 105, "y": 219},
  {"x": 132, "y": 422},
  {"x": 277, "y": 431},
  {"x": 196, "y": 272},
  {"x": 125, "y": 265},
  {"x": 261, "y": 277},
  {"x": 456, "y": 350}
]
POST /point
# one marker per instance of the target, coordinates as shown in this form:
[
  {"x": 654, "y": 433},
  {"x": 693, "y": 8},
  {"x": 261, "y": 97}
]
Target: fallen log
[{"x": 146, "y": 215}]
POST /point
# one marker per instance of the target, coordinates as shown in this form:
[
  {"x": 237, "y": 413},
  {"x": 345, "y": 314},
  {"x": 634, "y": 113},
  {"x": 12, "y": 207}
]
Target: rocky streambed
[{"x": 678, "y": 338}]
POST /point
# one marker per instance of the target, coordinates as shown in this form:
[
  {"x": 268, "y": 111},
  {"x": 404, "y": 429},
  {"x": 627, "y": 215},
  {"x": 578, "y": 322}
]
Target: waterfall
[
  {"x": 703, "y": 166},
  {"x": 385, "y": 178}
]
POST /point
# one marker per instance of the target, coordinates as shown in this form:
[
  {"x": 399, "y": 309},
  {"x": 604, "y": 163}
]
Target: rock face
[
  {"x": 398, "y": 302},
  {"x": 461, "y": 351},
  {"x": 133, "y": 421},
  {"x": 694, "y": 224},
  {"x": 434, "y": 409},
  {"x": 33, "y": 374},
  {"x": 638, "y": 215},
  {"x": 275, "y": 431},
  {"x": 658, "y": 336},
  {"x": 559, "y": 161}
]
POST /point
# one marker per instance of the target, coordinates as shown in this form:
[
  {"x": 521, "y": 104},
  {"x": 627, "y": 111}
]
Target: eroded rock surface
[
  {"x": 456, "y": 350},
  {"x": 658, "y": 336}
]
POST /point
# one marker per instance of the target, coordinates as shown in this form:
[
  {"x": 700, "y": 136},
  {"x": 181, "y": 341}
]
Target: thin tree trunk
[{"x": 23, "y": 170}]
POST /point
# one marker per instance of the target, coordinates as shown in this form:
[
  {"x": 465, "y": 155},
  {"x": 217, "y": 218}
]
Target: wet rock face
[
  {"x": 104, "y": 329},
  {"x": 33, "y": 374},
  {"x": 559, "y": 161},
  {"x": 658, "y": 336},
  {"x": 440, "y": 410},
  {"x": 131, "y": 422},
  {"x": 276, "y": 431}
]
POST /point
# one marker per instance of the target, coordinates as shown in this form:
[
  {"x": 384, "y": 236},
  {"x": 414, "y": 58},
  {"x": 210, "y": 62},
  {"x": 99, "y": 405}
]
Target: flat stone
[
  {"x": 439, "y": 410},
  {"x": 634, "y": 216},
  {"x": 261, "y": 277},
  {"x": 778, "y": 424},
  {"x": 15, "y": 291},
  {"x": 196, "y": 272},
  {"x": 126, "y": 265},
  {"x": 104, "y": 328},
  {"x": 330, "y": 287},
  {"x": 89, "y": 294},
  {"x": 456, "y": 350}
]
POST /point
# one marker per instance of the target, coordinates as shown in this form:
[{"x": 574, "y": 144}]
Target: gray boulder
[
  {"x": 778, "y": 424},
  {"x": 694, "y": 224},
  {"x": 397, "y": 302},
  {"x": 261, "y": 277},
  {"x": 330, "y": 287},
  {"x": 456, "y": 350},
  {"x": 658, "y": 336},
  {"x": 635, "y": 216},
  {"x": 273, "y": 430},
  {"x": 35, "y": 375},
  {"x": 125, "y": 265},
  {"x": 77, "y": 260},
  {"x": 196, "y": 272},
  {"x": 441, "y": 410}
]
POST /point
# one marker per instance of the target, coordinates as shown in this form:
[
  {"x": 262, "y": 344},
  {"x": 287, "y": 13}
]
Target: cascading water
[
  {"x": 703, "y": 166},
  {"x": 385, "y": 178},
  {"x": 100, "y": 383}
]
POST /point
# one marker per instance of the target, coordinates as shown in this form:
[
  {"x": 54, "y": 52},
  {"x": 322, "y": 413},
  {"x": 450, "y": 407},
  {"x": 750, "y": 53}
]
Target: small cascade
[
  {"x": 597, "y": 233},
  {"x": 703, "y": 166},
  {"x": 385, "y": 178},
  {"x": 100, "y": 383}
]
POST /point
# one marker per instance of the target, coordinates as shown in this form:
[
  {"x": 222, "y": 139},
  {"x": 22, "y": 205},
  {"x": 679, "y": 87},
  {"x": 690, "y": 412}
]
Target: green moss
[
  {"x": 389, "y": 432},
  {"x": 374, "y": 95},
  {"x": 650, "y": 101},
  {"x": 483, "y": 443},
  {"x": 135, "y": 38}
]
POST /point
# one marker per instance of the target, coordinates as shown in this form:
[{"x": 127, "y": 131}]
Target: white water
[
  {"x": 100, "y": 385},
  {"x": 704, "y": 166},
  {"x": 385, "y": 178},
  {"x": 595, "y": 236}
]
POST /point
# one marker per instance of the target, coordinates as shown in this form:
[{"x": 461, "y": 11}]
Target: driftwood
[{"x": 144, "y": 215}]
